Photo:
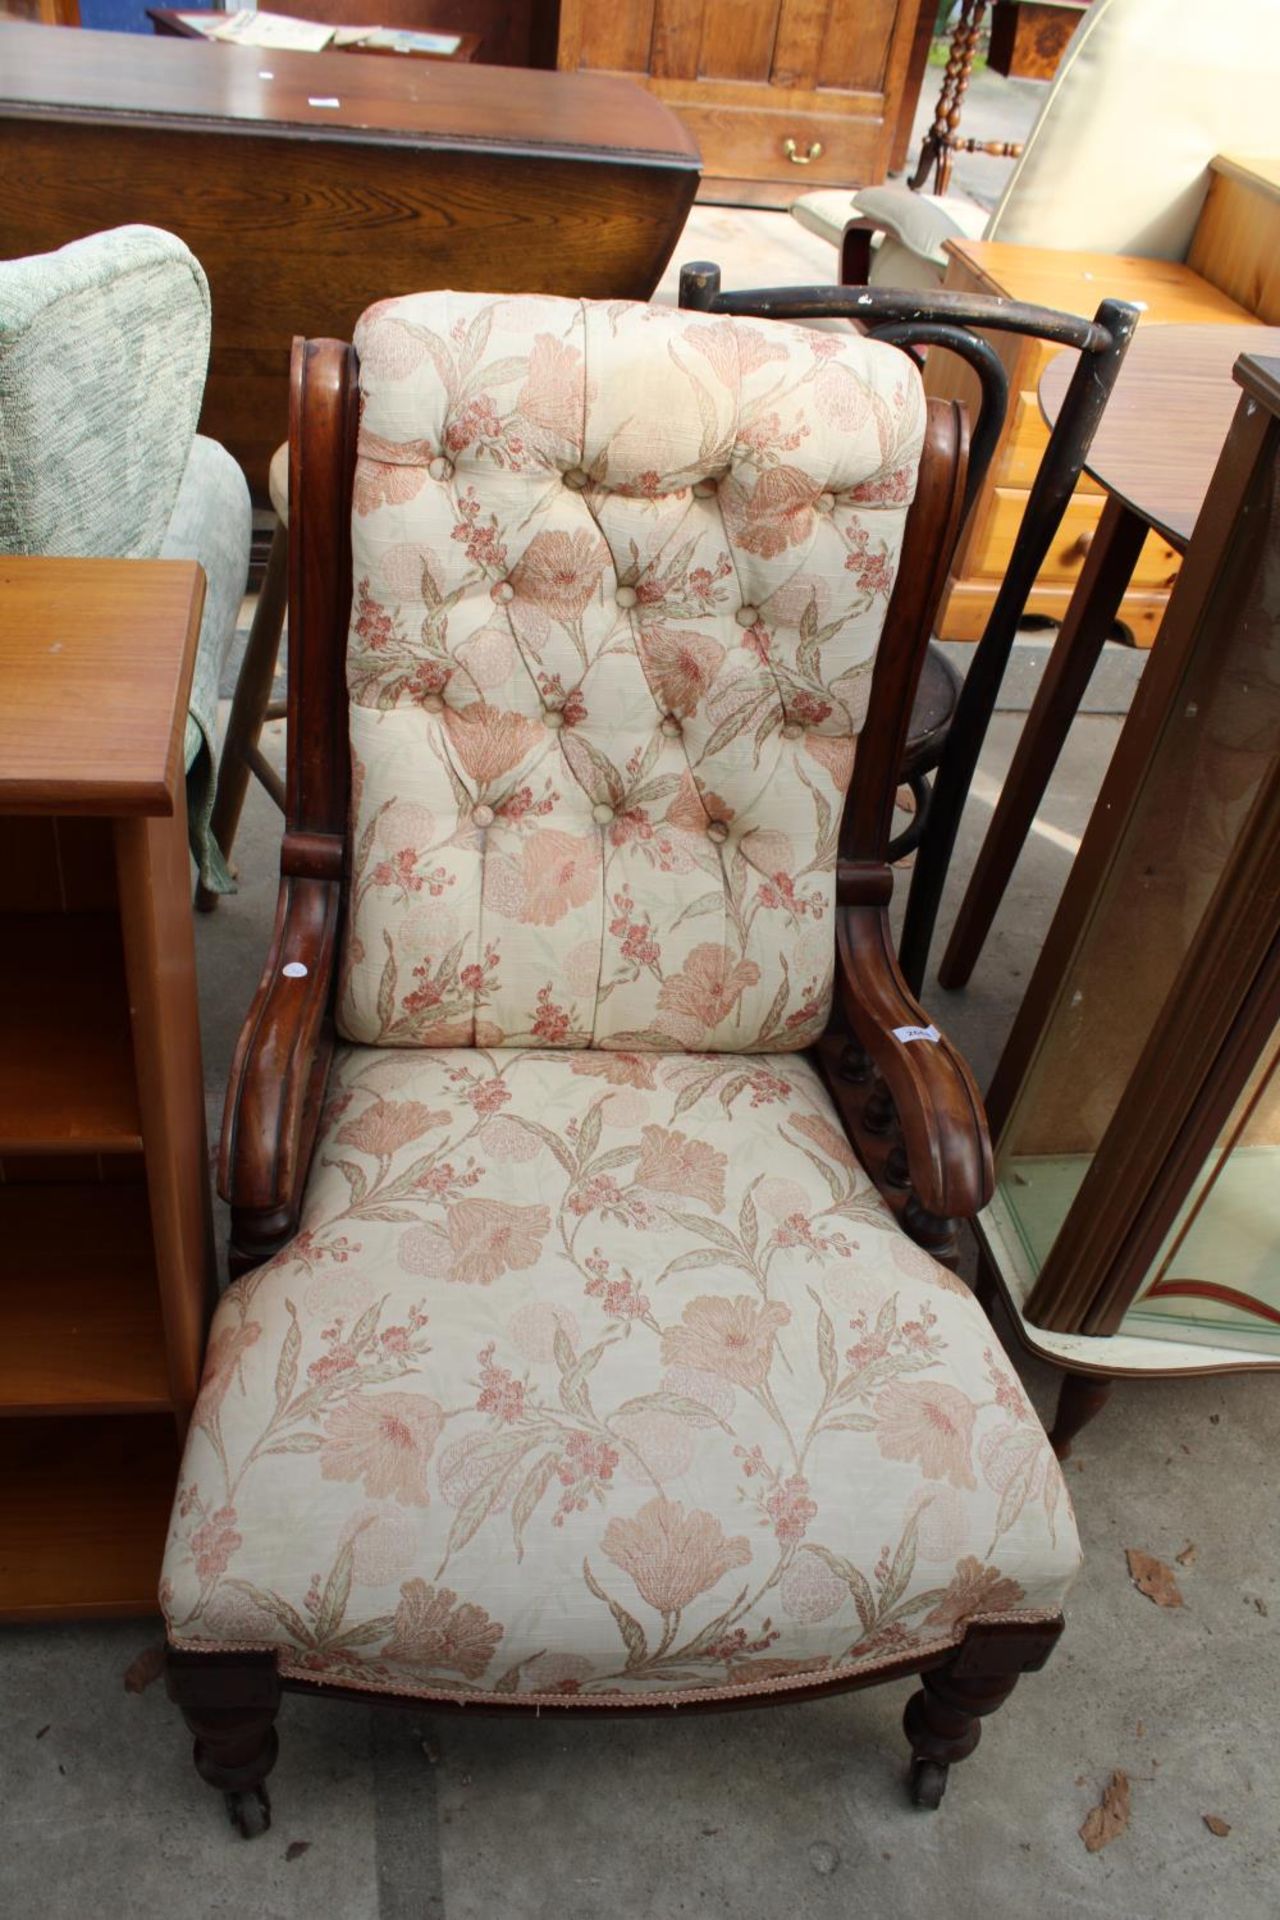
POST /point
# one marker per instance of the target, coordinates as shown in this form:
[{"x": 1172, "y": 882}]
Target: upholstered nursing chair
[
  {"x": 577, "y": 1361},
  {"x": 103, "y": 351},
  {"x": 1147, "y": 92}
]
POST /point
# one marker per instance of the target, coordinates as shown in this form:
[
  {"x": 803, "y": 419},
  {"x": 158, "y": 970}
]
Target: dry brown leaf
[
  {"x": 1153, "y": 1577},
  {"x": 1216, "y": 1824},
  {"x": 140, "y": 1673},
  {"x": 1187, "y": 1558},
  {"x": 1110, "y": 1818},
  {"x": 296, "y": 1849}
]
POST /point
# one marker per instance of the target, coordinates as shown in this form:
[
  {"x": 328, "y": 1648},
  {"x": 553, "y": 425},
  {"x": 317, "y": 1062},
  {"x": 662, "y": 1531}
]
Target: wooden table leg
[
  {"x": 1095, "y": 603},
  {"x": 941, "y": 140},
  {"x": 249, "y": 707}
]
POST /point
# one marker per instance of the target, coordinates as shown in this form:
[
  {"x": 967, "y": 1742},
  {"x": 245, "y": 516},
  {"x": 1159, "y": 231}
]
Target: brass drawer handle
[{"x": 799, "y": 159}]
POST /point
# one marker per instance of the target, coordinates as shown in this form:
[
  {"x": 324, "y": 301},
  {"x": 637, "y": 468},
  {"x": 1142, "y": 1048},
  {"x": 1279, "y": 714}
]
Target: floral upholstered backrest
[{"x": 619, "y": 577}]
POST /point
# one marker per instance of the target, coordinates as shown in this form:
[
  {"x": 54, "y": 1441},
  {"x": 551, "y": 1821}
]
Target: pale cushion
[
  {"x": 1146, "y": 94},
  {"x": 602, "y": 1376},
  {"x": 620, "y": 576}
]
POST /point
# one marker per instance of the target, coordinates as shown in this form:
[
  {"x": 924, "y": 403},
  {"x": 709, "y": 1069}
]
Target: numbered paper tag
[{"x": 917, "y": 1033}]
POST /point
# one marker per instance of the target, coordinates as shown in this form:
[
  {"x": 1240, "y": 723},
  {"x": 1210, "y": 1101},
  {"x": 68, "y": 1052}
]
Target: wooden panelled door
[{"x": 781, "y": 95}]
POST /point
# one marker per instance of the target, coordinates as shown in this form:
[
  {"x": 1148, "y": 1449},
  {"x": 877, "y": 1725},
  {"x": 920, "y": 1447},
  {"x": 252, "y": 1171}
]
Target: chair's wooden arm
[
  {"x": 938, "y": 1107},
  {"x": 279, "y": 1072}
]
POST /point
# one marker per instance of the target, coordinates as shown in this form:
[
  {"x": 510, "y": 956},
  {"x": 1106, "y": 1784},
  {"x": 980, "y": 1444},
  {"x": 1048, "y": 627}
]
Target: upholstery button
[
  {"x": 625, "y": 596},
  {"x": 577, "y": 479},
  {"x": 703, "y": 489},
  {"x": 440, "y": 468},
  {"x": 792, "y": 730},
  {"x": 482, "y": 816},
  {"x": 825, "y": 502},
  {"x": 433, "y": 702},
  {"x": 747, "y": 616},
  {"x": 718, "y": 831},
  {"x": 602, "y": 814},
  {"x": 671, "y": 727},
  {"x": 504, "y": 592},
  {"x": 553, "y": 718}
]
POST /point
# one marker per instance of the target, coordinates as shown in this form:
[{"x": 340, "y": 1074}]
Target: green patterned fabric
[{"x": 103, "y": 351}]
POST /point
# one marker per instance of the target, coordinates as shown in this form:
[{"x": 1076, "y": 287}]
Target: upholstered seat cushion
[{"x": 602, "y": 1376}]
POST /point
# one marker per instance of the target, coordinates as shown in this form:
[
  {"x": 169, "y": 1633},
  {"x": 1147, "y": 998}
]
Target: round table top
[{"x": 1159, "y": 439}]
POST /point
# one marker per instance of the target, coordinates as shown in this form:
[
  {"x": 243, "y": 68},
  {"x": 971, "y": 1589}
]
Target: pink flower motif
[
  {"x": 619, "y": 1069},
  {"x": 501, "y": 1394},
  {"x": 480, "y": 1241},
  {"x": 214, "y": 1543},
  {"x": 708, "y": 986},
  {"x": 388, "y": 474},
  {"x": 552, "y": 396},
  {"x": 671, "y": 1555},
  {"x": 432, "y": 1631},
  {"x": 489, "y": 1096},
  {"x": 733, "y": 1338},
  {"x": 671, "y": 1162},
  {"x": 680, "y": 667},
  {"x": 928, "y": 1423},
  {"x": 560, "y": 572},
  {"x": 779, "y": 512},
  {"x": 561, "y": 871},
  {"x": 975, "y": 1589},
  {"x": 385, "y": 1126},
  {"x": 488, "y": 740},
  {"x": 550, "y": 1023},
  {"x": 791, "y": 1510},
  {"x": 384, "y": 1440}
]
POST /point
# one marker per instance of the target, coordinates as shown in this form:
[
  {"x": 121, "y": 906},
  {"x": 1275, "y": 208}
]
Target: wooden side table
[
  {"x": 1170, "y": 294},
  {"x": 104, "y": 1179}
]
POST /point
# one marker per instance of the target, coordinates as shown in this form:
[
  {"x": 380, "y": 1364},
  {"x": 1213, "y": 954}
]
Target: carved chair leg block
[
  {"x": 943, "y": 1722},
  {"x": 229, "y": 1702}
]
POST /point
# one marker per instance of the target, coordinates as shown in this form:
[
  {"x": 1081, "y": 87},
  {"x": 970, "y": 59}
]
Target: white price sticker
[{"x": 917, "y": 1033}]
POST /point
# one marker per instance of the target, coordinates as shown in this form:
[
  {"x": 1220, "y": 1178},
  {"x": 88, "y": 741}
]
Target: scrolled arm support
[
  {"x": 935, "y": 1099},
  {"x": 278, "y": 1075}
]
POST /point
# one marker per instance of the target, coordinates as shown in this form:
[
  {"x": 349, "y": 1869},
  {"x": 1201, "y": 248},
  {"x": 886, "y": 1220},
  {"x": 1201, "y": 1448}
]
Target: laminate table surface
[{"x": 1159, "y": 439}]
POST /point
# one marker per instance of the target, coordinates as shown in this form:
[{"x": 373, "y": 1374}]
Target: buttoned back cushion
[{"x": 620, "y": 573}]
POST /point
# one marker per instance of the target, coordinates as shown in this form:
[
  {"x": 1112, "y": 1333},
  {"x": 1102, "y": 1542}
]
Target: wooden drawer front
[
  {"x": 988, "y": 557},
  {"x": 746, "y": 143},
  {"x": 1025, "y": 445}
]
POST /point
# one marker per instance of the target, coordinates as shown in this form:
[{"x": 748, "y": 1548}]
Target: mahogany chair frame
[{"x": 912, "y": 1111}]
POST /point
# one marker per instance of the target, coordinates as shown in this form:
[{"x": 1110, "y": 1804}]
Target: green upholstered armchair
[{"x": 103, "y": 350}]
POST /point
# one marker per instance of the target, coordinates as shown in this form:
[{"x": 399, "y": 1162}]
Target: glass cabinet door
[{"x": 1179, "y": 911}]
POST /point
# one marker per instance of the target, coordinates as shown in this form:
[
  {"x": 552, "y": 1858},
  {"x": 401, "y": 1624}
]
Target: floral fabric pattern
[
  {"x": 620, "y": 575},
  {"x": 596, "y": 1376}
]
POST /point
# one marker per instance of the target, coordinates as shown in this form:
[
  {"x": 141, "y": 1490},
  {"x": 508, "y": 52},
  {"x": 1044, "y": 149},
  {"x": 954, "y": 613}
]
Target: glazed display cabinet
[{"x": 1135, "y": 1228}]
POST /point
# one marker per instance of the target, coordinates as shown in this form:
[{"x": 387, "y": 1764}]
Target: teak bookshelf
[{"x": 105, "y": 1247}]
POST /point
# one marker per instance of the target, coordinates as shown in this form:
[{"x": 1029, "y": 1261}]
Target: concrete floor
[{"x": 408, "y": 1816}]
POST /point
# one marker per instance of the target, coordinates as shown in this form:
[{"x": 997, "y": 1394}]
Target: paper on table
[{"x": 250, "y": 29}]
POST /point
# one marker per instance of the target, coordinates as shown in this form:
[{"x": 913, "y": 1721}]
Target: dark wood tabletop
[
  {"x": 177, "y": 23},
  {"x": 221, "y": 89},
  {"x": 309, "y": 185},
  {"x": 1159, "y": 440}
]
